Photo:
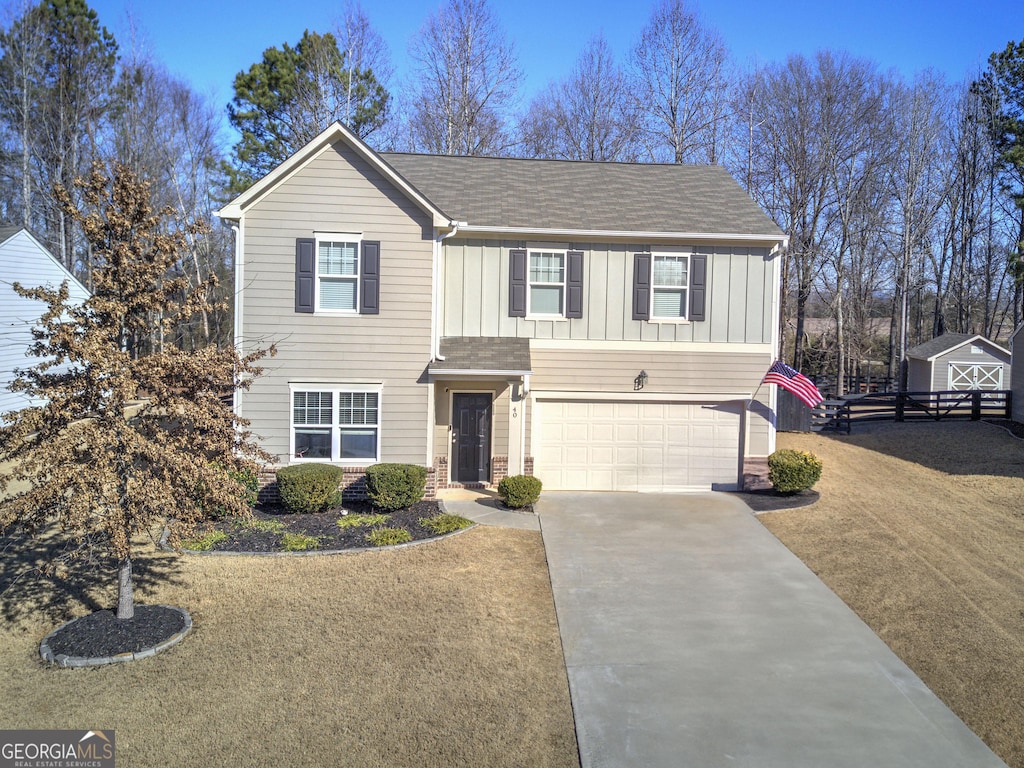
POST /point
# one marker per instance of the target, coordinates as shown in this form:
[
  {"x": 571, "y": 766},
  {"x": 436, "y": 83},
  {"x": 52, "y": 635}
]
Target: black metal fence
[{"x": 893, "y": 406}]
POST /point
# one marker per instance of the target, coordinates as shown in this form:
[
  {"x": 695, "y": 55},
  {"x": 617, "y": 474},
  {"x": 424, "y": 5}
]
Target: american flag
[{"x": 794, "y": 381}]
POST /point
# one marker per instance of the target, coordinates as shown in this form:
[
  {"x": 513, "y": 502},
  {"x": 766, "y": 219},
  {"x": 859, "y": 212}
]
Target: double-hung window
[
  {"x": 337, "y": 272},
  {"x": 547, "y": 283},
  {"x": 670, "y": 286},
  {"x": 336, "y": 424}
]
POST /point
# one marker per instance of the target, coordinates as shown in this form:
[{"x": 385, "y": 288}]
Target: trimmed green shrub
[
  {"x": 386, "y": 537},
  {"x": 395, "y": 486},
  {"x": 793, "y": 471},
  {"x": 518, "y": 491},
  {"x": 306, "y": 488}
]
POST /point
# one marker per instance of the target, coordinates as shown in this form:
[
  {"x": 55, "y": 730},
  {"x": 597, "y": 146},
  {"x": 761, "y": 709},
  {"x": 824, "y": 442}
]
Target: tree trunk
[{"x": 125, "y": 598}]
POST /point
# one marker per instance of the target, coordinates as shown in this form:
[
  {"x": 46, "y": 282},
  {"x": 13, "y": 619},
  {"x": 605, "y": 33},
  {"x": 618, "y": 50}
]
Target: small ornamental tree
[{"x": 134, "y": 431}]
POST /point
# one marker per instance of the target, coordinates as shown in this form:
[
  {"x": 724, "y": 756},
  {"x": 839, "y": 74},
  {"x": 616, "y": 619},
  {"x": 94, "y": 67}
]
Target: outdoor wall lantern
[{"x": 640, "y": 380}]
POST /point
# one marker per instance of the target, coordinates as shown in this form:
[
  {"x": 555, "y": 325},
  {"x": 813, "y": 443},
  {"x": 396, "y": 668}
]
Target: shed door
[{"x": 964, "y": 376}]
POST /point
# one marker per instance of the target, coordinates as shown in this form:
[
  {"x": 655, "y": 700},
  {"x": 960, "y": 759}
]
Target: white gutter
[
  {"x": 533, "y": 233},
  {"x": 477, "y": 373},
  {"x": 436, "y": 267}
]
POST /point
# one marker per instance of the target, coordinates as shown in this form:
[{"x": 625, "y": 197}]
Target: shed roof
[
  {"x": 585, "y": 196},
  {"x": 947, "y": 342}
]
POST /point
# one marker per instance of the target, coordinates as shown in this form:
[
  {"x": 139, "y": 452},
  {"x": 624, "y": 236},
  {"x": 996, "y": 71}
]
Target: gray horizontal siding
[
  {"x": 739, "y": 308},
  {"x": 668, "y": 372},
  {"x": 339, "y": 192},
  {"x": 25, "y": 262}
]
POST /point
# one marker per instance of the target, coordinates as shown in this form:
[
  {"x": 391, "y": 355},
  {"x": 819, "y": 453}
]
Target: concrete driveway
[{"x": 693, "y": 637}]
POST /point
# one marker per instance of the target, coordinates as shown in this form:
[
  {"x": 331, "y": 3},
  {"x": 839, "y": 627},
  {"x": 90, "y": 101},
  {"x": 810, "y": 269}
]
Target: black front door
[{"x": 471, "y": 437}]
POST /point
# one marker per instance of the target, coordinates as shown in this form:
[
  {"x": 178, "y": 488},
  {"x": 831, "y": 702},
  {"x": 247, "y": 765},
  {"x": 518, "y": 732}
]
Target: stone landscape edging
[{"x": 63, "y": 660}]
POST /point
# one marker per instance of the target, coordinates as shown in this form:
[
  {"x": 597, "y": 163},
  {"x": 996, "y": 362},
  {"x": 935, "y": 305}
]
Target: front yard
[
  {"x": 920, "y": 529},
  {"x": 448, "y": 653},
  {"x": 442, "y": 654}
]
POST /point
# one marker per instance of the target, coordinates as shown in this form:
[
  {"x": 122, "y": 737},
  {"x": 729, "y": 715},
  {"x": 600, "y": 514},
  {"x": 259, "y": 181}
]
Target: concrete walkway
[
  {"x": 694, "y": 638},
  {"x": 484, "y": 507}
]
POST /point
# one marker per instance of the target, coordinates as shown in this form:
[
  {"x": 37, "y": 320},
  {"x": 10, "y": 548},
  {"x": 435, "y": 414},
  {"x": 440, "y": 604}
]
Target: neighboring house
[
  {"x": 24, "y": 260},
  {"x": 1017, "y": 373},
  {"x": 957, "y": 361},
  {"x": 600, "y": 325}
]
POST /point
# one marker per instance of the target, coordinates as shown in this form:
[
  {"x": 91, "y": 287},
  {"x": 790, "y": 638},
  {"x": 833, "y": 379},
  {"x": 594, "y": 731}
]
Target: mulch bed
[
  {"x": 770, "y": 500},
  {"x": 323, "y": 525},
  {"x": 103, "y": 634}
]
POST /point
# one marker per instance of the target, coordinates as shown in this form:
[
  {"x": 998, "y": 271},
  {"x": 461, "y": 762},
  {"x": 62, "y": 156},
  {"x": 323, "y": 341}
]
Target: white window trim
[
  {"x": 685, "y": 319},
  {"x": 530, "y": 314},
  {"x": 338, "y": 237},
  {"x": 336, "y": 428}
]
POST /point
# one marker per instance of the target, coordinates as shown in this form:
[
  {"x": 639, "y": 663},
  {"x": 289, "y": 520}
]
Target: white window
[
  {"x": 670, "y": 287},
  {"x": 336, "y": 424},
  {"x": 337, "y": 272},
  {"x": 547, "y": 283}
]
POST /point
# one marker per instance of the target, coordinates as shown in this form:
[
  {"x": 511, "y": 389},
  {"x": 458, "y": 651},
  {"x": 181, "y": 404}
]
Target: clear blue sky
[{"x": 206, "y": 42}]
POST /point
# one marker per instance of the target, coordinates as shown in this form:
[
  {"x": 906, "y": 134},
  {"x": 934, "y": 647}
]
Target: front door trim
[{"x": 483, "y": 462}]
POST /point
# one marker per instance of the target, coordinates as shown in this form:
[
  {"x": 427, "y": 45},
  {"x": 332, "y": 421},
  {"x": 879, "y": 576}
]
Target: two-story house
[{"x": 603, "y": 326}]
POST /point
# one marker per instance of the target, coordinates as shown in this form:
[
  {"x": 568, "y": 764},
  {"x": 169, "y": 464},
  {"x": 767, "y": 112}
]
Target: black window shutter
[
  {"x": 517, "y": 283},
  {"x": 574, "y": 284},
  {"x": 641, "y": 286},
  {"x": 305, "y": 274},
  {"x": 698, "y": 287},
  {"x": 369, "y": 278}
]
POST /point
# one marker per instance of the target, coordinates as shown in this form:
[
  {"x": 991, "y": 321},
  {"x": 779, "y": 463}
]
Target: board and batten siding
[
  {"x": 740, "y": 294},
  {"x": 681, "y": 374},
  {"x": 25, "y": 261},
  {"x": 338, "y": 191}
]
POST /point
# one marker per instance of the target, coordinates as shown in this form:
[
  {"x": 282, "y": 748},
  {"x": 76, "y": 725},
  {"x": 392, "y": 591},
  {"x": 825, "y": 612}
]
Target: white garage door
[{"x": 635, "y": 446}]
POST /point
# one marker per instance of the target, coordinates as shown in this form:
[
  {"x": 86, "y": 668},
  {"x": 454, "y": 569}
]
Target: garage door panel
[
  {"x": 627, "y": 434},
  {"x": 616, "y": 445}
]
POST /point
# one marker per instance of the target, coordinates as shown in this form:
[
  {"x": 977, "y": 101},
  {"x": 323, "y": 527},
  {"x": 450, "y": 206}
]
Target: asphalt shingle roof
[
  {"x": 938, "y": 345},
  {"x": 483, "y": 353},
  {"x": 562, "y": 194}
]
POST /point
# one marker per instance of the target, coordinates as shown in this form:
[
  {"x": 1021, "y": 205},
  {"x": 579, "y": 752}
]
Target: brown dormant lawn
[
  {"x": 442, "y": 654},
  {"x": 920, "y": 529}
]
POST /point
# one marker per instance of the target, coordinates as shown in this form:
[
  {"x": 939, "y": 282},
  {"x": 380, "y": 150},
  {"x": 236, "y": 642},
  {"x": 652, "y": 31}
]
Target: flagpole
[{"x": 743, "y": 441}]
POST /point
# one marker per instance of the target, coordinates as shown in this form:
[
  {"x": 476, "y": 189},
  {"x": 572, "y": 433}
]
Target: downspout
[
  {"x": 435, "y": 317},
  {"x": 236, "y": 228}
]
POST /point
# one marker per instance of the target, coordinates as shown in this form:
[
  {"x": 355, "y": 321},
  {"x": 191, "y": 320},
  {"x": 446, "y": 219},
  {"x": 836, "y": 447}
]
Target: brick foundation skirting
[
  {"x": 499, "y": 470},
  {"x": 353, "y": 485}
]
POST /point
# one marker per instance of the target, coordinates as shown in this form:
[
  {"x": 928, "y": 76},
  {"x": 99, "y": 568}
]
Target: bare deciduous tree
[
  {"x": 588, "y": 116},
  {"x": 128, "y": 436},
  {"x": 680, "y": 85},
  {"x": 364, "y": 51},
  {"x": 466, "y": 82}
]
